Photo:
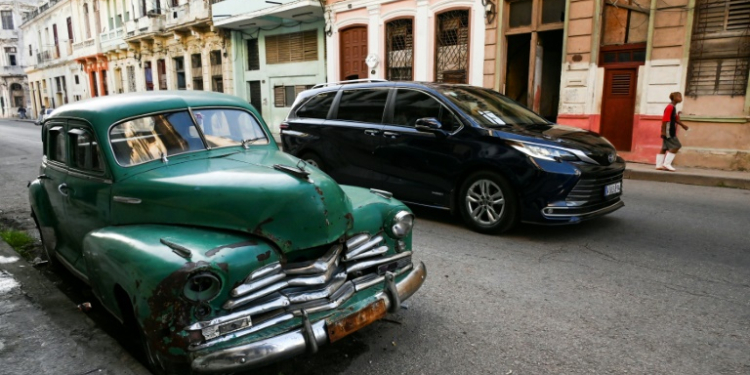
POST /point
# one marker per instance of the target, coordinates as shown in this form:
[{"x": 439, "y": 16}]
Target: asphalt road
[{"x": 661, "y": 286}]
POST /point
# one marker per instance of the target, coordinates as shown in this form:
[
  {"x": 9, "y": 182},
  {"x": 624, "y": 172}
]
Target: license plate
[
  {"x": 612, "y": 189},
  {"x": 342, "y": 328}
]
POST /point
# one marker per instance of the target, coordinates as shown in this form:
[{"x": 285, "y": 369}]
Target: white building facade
[
  {"x": 80, "y": 49},
  {"x": 14, "y": 88}
]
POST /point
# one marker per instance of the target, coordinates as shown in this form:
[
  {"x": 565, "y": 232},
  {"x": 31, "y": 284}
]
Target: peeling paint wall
[{"x": 720, "y": 124}]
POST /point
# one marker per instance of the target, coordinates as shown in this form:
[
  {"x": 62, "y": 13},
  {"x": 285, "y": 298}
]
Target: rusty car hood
[{"x": 238, "y": 191}]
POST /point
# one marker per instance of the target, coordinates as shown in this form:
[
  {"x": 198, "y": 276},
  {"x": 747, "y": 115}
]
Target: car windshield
[
  {"x": 490, "y": 108},
  {"x": 161, "y": 135}
]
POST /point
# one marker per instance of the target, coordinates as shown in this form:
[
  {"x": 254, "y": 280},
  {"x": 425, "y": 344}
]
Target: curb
[
  {"x": 737, "y": 180},
  {"x": 75, "y": 341}
]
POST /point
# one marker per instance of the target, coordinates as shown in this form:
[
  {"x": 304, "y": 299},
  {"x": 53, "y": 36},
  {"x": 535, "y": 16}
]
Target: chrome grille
[{"x": 279, "y": 292}]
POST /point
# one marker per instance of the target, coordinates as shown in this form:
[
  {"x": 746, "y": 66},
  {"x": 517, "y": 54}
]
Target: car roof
[
  {"x": 101, "y": 112},
  {"x": 333, "y": 86}
]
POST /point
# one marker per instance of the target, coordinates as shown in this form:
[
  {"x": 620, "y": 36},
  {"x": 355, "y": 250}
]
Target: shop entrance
[{"x": 532, "y": 76}]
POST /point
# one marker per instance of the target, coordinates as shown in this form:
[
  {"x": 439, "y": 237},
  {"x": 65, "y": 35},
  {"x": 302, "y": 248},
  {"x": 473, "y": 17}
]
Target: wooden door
[
  {"x": 353, "y": 52},
  {"x": 618, "y": 107}
]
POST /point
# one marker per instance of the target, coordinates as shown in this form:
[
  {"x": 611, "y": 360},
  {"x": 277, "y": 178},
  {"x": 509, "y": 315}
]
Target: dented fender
[{"x": 153, "y": 263}]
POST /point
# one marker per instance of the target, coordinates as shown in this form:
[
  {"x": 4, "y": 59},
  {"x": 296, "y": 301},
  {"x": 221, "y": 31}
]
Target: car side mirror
[{"x": 430, "y": 125}]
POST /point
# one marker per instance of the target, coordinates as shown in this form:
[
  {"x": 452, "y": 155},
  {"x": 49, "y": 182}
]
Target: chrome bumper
[{"x": 298, "y": 341}]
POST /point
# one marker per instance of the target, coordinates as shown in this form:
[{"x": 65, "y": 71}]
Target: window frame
[
  {"x": 436, "y": 42},
  {"x": 9, "y": 25},
  {"x": 700, "y": 56},
  {"x": 80, "y": 129},
  {"x": 340, "y": 97},
  {"x": 413, "y": 46},
  {"x": 190, "y": 111},
  {"x": 312, "y": 97},
  {"x": 61, "y": 129},
  {"x": 391, "y": 109}
]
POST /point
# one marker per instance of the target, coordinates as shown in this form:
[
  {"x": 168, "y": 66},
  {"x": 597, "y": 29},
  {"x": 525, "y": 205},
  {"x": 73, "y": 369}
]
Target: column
[
  {"x": 421, "y": 42},
  {"x": 373, "y": 40}
]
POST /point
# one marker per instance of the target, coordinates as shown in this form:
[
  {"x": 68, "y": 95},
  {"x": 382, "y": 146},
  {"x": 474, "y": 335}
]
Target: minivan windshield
[{"x": 490, "y": 108}]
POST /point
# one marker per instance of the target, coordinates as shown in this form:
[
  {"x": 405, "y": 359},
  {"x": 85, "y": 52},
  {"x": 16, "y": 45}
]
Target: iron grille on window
[
  {"x": 452, "y": 54},
  {"x": 253, "y": 57},
  {"x": 399, "y": 44},
  {"x": 720, "y": 48},
  {"x": 131, "y": 78}
]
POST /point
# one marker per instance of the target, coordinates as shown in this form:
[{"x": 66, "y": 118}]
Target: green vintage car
[{"x": 224, "y": 253}]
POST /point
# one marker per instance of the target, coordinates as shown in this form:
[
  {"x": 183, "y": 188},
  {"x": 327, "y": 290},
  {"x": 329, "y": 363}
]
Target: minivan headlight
[
  {"x": 544, "y": 152},
  {"x": 402, "y": 224}
]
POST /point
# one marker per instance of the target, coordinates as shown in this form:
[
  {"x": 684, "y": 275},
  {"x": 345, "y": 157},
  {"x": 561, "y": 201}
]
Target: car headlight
[
  {"x": 402, "y": 224},
  {"x": 544, "y": 152},
  {"x": 202, "y": 287}
]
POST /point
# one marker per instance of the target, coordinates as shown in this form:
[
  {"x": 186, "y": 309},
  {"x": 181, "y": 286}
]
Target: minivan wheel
[
  {"x": 313, "y": 160},
  {"x": 488, "y": 203}
]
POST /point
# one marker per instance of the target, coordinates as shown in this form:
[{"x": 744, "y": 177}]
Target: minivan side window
[
  {"x": 318, "y": 106},
  {"x": 362, "y": 105},
  {"x": 411, "y": 105}
]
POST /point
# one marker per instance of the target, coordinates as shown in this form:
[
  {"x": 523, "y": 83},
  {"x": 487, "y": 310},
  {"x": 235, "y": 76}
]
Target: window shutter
[
  {"x": 278, "y": 96},
  {"x": 253, "y": 56},
  {"x": 738, "y": 17},
  {"x": 294, "y": 47},
  {"x": 720, "y": 48}
]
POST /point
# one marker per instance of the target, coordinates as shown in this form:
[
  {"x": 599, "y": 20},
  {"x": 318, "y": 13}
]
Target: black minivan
[{"x": 457, "y": 147}]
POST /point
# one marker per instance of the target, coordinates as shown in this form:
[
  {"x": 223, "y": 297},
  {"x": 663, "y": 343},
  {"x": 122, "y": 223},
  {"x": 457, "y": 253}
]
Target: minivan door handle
[
  {"x": 372, "y": 132},
  {"x": 390, "y": 134}
]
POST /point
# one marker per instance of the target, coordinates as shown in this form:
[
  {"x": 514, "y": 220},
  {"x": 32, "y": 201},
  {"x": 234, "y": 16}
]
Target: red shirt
[{"x": 672, "y": 122}]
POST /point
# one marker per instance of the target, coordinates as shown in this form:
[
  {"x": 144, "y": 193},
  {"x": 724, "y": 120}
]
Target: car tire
[
  {"x": 313, "y": 160},
  {"x": 488, "y": 203}
]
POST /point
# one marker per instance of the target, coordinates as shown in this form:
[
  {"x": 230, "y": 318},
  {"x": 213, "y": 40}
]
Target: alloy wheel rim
[{"x": 485, "y": 202}]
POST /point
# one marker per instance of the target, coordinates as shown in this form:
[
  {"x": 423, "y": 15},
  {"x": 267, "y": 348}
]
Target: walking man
[{"x": 670, "y": 144}]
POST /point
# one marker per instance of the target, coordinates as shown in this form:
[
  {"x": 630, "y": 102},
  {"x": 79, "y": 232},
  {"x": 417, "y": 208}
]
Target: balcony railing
[
  {"x": 188, "y": 12},
  {"x": 47, "y": 55},
  {"x": 84, "y": 44},
  {"x": 41, "y": 9},
  {"x": 112, "y": 39}
]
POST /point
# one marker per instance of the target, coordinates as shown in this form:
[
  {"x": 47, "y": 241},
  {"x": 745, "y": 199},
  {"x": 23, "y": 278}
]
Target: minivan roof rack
[{"x": 349, "y": 81}]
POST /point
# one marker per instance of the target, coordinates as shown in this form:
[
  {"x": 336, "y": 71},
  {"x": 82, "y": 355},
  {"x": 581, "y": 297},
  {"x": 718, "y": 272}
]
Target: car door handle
[
  {"x": 372, "y": 132},
  {"x": 390, "y": 134},
  {"x": 63, "y": 189}
]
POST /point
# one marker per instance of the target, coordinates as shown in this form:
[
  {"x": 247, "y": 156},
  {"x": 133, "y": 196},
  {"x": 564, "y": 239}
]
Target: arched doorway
[{"x": 353, "y": 50}]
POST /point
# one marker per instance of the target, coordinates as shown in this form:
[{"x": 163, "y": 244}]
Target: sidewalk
[
  {"x": 36, "y": 339},
  {"x": 689, "y": 176}
]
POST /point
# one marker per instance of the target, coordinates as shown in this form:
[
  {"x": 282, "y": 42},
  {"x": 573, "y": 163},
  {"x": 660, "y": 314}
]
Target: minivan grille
[
  {"x": 276, "y": 293},
  {"x": 590, "y": 189}
]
